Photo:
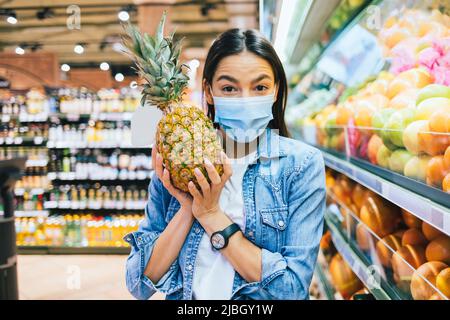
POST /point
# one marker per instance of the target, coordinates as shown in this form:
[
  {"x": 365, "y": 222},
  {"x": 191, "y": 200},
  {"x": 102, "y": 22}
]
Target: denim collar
[{"x": 270, "y": 145}]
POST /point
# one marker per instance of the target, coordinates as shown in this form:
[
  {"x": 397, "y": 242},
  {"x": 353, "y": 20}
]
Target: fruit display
[
  {"x": 400, "y": 118},
  {"x": 185, "y": 136},
  {"x": 393, "y": 238},
  {"x": 343, "y": 278}
]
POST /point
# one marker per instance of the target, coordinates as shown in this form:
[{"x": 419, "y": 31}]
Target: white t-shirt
[{"x": 214, "y": 275}]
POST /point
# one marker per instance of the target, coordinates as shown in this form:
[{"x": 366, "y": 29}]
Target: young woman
[{"x": 254, "y": 232}]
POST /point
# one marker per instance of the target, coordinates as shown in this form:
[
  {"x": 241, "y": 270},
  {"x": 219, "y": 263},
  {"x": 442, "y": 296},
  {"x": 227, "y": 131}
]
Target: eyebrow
[
  {"x": 231, "y": 79},
  {"x": 261, "y": 77}
]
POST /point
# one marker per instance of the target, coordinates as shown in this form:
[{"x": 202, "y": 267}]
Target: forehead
[{"x": 243, "y": 66}]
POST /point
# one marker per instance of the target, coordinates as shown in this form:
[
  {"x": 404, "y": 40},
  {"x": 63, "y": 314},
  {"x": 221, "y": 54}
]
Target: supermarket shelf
[
  {"x": 29, "y": 213},
  {"x": 37, "y": 163},
  {"x": 359, "y": 263},
  {"x": 67, "y": 145},
  {"x": 425, "y": 209},
  {"x": 33, "y": 213},
  {"x": 22, "y": 141},
  {"x": 103, "y": 116},
  {"x": 72, "y": 250},
  {"x": 71, "y": 176},
  {"x": 31, "y": 191},
  {"x": 324, "y": 284},
  {"x": 25, "y": 117},
  {"x": 76, "y": 206}
]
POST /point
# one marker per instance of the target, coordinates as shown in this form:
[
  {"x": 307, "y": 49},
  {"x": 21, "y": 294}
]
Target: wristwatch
[{"x": 219, "y": 239}]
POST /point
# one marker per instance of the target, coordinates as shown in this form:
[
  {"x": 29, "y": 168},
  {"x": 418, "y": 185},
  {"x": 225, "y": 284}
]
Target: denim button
[
  {"x": 250, "y": 233},
  {"x": 281, "y": 223},
  {"x": 197, "y": 230},
  {"x": 189, "y": 267}
]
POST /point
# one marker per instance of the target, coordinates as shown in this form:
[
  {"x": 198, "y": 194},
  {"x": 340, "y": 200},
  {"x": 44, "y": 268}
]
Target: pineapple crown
[{"x": 157, "y": 61}]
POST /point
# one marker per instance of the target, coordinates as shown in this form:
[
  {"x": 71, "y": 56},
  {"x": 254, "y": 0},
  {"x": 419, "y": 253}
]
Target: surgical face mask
[{"x": 244, "y": 119}]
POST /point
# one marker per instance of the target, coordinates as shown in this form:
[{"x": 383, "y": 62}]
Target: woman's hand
[
  {"x": 206, "y": 201},
  {"x": 163, "y": 174}
]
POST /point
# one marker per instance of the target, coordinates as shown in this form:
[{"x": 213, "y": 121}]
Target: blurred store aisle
[{"x": 56, "y": 277}]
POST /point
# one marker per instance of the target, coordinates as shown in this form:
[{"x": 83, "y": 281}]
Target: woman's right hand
[{"x": 163, "y": 174}]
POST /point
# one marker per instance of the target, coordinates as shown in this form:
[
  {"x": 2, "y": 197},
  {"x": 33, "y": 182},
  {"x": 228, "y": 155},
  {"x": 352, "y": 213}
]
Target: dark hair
[{"x": 235, "y": 41}]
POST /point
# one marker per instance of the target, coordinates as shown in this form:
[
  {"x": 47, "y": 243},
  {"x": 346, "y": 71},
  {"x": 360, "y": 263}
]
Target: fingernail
[
  {"x": 208, "y": 162},
  {"x": 197, "y": 171},
  {"x": 158, "y": 156}
]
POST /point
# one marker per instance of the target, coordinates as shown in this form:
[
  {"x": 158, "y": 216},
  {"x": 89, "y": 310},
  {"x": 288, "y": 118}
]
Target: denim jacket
[{"x": 284, "y": 202}]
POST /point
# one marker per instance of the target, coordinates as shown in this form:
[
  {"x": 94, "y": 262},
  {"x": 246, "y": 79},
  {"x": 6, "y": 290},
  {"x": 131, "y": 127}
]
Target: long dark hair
[{"x": 235, "y": 41}]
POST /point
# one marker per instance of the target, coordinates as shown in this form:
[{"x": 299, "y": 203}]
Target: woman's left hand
[{"x": 206, "y": 201}]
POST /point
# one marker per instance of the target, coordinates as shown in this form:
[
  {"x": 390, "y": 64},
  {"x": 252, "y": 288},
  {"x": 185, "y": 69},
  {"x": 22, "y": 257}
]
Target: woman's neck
[{"x": 236, "y": 150}]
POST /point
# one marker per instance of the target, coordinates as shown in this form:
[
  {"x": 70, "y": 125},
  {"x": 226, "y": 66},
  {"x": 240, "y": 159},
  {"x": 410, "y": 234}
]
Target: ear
[
  {"x": 276, "y": 93},
  {"x": 208, "y": 93}
]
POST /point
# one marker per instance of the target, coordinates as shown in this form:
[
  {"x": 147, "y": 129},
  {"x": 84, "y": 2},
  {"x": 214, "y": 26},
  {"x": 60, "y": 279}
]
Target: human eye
[
  {"x": 261, "y": 88},
  {"x": 229, "y": 89}
]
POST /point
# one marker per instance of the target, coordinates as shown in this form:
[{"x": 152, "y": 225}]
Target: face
[{"x": 241, "y": 75}]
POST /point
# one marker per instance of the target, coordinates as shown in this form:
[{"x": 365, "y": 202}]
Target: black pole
[{"x": 10, "y": 172}]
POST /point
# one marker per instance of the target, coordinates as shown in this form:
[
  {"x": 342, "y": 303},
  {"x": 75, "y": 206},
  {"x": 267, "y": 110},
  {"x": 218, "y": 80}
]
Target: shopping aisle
[{"x": 55, "y": 277}]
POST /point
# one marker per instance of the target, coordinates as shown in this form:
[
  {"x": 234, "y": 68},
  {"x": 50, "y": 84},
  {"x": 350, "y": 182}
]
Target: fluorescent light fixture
[
  {"x": 118, "y": 47},
  {"x": 287, "y": 14},
  {"x": 123, "y": 15},
  {"x": 119, "y": 77},
  {"x": 79, "y": 49},
  {"x": 11, "y": 19},
  {"x": 65, "y": 67},
  {"x": 20, "y": 50},
  {"x": 104, "y": 66}
]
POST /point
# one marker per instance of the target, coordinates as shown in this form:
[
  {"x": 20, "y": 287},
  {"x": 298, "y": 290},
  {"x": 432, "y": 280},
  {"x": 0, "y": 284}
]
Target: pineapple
[{"x": 185, "y": 135}]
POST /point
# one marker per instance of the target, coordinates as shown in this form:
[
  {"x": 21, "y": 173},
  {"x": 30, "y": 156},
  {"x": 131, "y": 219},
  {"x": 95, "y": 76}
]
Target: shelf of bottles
[{"x": 85, "y": 185}]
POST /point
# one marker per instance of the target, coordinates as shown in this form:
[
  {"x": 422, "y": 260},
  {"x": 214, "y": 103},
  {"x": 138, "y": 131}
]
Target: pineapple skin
[{"x": 185, "y": 137}]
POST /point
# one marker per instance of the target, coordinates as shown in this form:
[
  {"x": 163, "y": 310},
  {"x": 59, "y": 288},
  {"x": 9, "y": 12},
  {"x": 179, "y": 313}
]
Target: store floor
[{"x": 73, "y": 277}]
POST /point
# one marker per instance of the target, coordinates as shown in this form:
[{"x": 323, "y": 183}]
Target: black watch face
[{"x": 218, "y": 241}]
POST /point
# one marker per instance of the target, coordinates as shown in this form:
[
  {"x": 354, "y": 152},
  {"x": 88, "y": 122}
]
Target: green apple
[
  {"x": 397, "y": 123},
  {"x": 429, "y": 106},
  {"x": 433, "y": 91},
  {"x": 416, "y": 167},
  {"x": 330, "y": 125},
  {"x": 411, "y": 136},
  {"x": 380, "y": 118},
  {"x": 398, "y": 160},
  {"x": 383, "y": 155}
]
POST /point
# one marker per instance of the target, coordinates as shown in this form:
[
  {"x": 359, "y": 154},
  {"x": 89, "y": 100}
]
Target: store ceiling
[{"x": 199, "y": 21}]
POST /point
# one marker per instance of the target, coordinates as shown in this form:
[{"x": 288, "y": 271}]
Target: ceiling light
[
  {"x": 20, "y": 50},
  {"x": 119, "y": 77},
  {"x": 104, "y": 66},
  {"x": 118, "y": 47},
  {"x": 65, "y": 67},
  {"x": 12, "y": 18},
  {"x": 79, "y": 49},
  {"x": 123, "y": 15}
]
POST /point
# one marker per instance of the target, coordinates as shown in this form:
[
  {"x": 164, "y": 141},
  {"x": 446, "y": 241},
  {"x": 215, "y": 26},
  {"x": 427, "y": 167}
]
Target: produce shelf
[
  {"x": 41, "y": 250},
  {"x": 359, "y": 263},
  {"x": 325, "y": 286},
  {"x": 429, "y": 211},
  {"x": 72, "y": 177},
  {"x": 23, "y": 141}
]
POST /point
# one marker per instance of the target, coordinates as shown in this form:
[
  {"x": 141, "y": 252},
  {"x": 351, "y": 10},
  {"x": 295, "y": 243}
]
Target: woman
[{"x": 254, "y": 232}]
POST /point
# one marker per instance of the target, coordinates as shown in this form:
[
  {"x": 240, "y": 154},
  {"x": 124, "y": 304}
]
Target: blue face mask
[{"x": 244, "y": 119}]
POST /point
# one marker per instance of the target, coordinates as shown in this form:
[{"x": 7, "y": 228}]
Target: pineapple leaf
[{"x": 160, "y": 30}]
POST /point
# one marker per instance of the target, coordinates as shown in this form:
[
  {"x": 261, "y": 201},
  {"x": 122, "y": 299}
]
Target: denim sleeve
[
  {"x": 142, "y": 243},
  {"x": 287, "y": 274}
]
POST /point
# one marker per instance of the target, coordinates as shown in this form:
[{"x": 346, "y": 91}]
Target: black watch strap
[
  {"x": 225, "y": 235},
  {"x": 230, "y": 230}
]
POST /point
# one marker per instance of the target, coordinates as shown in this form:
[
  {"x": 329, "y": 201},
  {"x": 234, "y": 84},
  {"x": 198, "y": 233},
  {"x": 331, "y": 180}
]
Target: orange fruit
[
  {"x": 344, "y": 114},
  {"x": 433, "y": 143},
  {"x": 436, "y": 171},
  {"x": 447, "y": 157},
  {"x": 375, "y": 143},
  {"x": 446, "y": 183},
  {"x": 440, "y": 121}
]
